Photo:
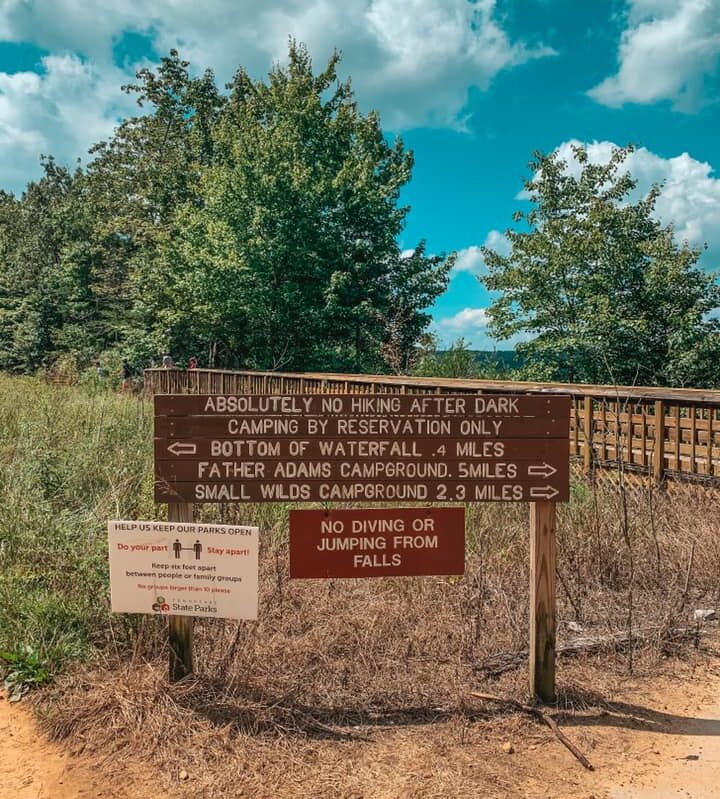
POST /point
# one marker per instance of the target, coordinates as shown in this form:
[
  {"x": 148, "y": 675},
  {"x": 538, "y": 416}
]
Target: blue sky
[{"x": 473, "y": 87}]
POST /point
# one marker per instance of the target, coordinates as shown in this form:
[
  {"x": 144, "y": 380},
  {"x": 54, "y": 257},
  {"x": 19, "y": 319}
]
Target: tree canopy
[
  {"x": 599, "y": 285},
  {"x": 256, "y": 227}
]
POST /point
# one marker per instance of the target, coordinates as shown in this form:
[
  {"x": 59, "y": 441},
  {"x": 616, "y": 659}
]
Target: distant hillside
[{"x": 508, "y": 358}]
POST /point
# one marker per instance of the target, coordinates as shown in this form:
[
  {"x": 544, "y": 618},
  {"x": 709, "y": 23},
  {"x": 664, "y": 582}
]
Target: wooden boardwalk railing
[{"x": 665, "y": 433}]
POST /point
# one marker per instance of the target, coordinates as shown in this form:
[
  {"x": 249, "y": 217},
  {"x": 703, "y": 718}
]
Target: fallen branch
[
  {"x": 549, "y": 720},
  {"x": 499, "y": 663}
]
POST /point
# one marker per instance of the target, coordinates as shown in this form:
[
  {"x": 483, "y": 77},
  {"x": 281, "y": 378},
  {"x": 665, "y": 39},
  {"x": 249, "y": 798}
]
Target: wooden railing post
[
  {"x": 180, "y": 628},
  {"x": 659, "y": 443},
  {"x": 542, "y": 600},
  {"x": 588, "y": 431}
]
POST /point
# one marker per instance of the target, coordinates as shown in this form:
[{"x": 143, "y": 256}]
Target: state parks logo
[{"x": 160, "y": 605}]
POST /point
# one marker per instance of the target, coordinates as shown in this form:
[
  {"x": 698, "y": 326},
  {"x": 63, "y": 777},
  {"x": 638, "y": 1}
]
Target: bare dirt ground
[
  {"x": 653, "y": 739},
  {"x": 31, "y": 767}
]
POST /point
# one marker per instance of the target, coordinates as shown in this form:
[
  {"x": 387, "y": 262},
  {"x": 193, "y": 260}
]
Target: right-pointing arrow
[
  {"x": 541, "y": 471},
  {"x": 543, "y": 492},
  {"x": 182, "y": 449}
]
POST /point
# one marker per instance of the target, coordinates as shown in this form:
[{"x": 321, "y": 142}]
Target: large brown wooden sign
[
  {"x": 377, "y": 543},
  {"x": 276, "y": 448}
]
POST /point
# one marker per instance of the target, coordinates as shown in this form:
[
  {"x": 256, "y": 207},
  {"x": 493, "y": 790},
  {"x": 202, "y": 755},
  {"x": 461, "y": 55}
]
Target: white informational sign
[{"x": 184, "y": 569}]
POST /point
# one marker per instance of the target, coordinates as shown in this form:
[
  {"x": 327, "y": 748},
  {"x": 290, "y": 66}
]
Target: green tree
[
  {"x": 136, "y": 182},
  {"x": 457, "y": 361},
  {"x": 601, "y": 285},
  {"x": 47, "y": 305},
  {"x": 414, "y": 282},
  {"x": 288, "y": 256},
  {"x": 259, "y": 227}
]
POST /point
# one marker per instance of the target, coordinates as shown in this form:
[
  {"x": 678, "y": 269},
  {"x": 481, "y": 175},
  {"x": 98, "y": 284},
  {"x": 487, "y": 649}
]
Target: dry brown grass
[{"x": 360, "y": 687}]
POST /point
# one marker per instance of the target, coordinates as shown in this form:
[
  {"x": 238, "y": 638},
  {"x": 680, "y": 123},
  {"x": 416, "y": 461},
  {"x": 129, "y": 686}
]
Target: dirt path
[
  {"x": 682, "y": 758},
  {"x": 660, "y": 740},
  {"x": 33, "y": 768}
]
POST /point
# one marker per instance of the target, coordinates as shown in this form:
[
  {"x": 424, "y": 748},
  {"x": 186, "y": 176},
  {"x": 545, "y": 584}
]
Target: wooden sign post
[
  {"x": 180, "y": 628},
  {"x": 542, "y": 601}
]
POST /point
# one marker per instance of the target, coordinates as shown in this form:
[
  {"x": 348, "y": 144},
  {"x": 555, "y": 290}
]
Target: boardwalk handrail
[{"x": 663, "y": 432}]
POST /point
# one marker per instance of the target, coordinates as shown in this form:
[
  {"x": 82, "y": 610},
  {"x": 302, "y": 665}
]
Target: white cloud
[
  {"x": 430, "y": 53},
  {"x": 470, "y": 259},
  {"x": 471, "y": 324},
  {"x": 60, "y": 111},
  {"x": 690, "y": 197},
  {"x": 414, "y": 61},
  {"x": 666, "y": 51},
  {"x": 469, "y": 319}
]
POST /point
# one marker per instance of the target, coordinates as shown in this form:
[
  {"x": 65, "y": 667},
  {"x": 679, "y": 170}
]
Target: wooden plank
[
  {"x": 659, "y": 443},
  {"x": 366, "y": 428},
  {"x": 455, "y": 405},
  {"x": 575, "y": 419},
  {"x": 682, "y": 395},
  {"x": 180, "y": 628},
  {"x": 693, "y": 437},
  {"x": 588, "y": 433},
  {"x": 710, "y": 454},
  {"x": 293, "y": 470},
  {"x": 643, "y": 438},
  {"x": 678, "y": 437},
  {"x": 363, "y": 491},
  {"x": 542, "y": 601},
  {"x": 254, "y": 449},
  {"x": 586, "y": 389}
]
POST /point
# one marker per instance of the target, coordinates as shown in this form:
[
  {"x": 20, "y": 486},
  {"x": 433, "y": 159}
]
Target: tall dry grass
[
  {"x": 337, "y": 676},
  {"x": 324, "y": 657}
]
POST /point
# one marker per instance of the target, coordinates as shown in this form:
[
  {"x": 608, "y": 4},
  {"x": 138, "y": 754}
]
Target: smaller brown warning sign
[{"x": 390, "y": 542}]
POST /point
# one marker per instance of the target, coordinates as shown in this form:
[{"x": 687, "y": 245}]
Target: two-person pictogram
[{"x": 178, "y": 548}]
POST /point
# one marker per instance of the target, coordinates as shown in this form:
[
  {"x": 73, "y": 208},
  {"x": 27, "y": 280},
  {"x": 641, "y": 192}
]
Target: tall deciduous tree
[
  {"x": 600, "y": 284},
  {"x": 289, "y": 253},
  {"x": 47, "y": 305},
  {"x": 256, "y": 228},
  {"x": 137, "y": 181}
]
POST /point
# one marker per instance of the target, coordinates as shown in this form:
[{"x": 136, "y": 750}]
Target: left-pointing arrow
[{"x": 182, "y": 449}]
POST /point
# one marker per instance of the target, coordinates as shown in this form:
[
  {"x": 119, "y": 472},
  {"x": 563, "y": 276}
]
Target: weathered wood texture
[
  {"x": 542, "y": 600},
  {"x": 180, "y": 628},
  {"x": 664, "y": 433}
]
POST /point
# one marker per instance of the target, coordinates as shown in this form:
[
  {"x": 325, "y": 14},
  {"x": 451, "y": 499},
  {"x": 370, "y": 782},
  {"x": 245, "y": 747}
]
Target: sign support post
[
  {"x": 180, "y": 628},
  {"x": 542, "y": 600}
]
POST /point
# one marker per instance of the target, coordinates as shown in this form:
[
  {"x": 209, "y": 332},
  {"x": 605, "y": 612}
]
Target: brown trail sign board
[
  {"x": 377, "y": 543},
  {"x": 464, "y": 448},
  {"x": 277, "y": 448}
]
